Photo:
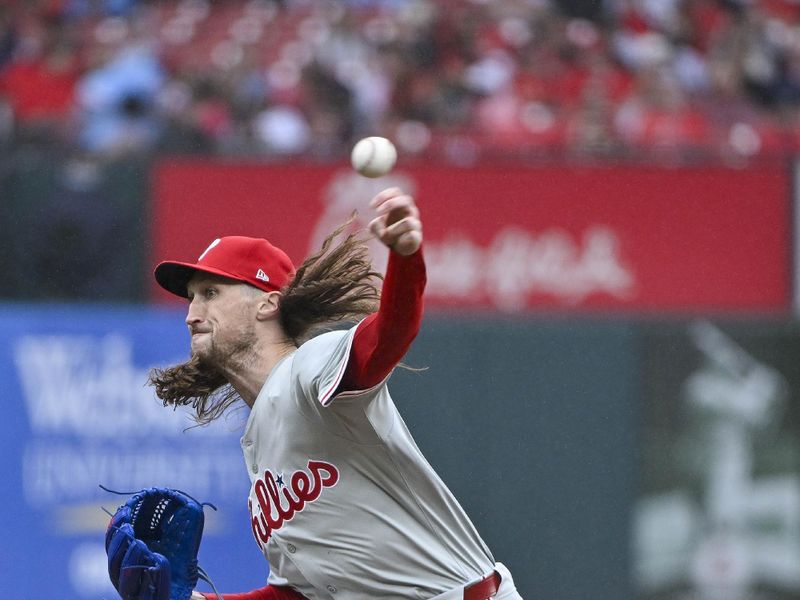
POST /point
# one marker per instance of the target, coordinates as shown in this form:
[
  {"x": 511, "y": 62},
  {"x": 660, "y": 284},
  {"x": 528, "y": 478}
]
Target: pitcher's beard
[{"x": 230, "y": 357}]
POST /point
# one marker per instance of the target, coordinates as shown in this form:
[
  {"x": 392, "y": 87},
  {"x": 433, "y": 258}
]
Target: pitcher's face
[{"x": 221, "y": 319}]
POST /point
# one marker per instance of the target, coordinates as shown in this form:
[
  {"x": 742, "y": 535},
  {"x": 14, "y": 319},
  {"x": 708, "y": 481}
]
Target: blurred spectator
[
  {"x": 8, "y": 36},
  {"x": 282, "y": 130},
  {"x": 116, "y": 96},
  {"x": 330, "y": 110},
  {"x": 41, "y": 70}
]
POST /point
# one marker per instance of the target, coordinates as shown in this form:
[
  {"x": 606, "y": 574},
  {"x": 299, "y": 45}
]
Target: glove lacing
[{"x": 201, "y": 574}]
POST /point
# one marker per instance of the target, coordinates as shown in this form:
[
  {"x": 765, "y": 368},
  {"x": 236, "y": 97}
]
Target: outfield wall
[
  {"x": 515, "y": 238},
  {"x": 508, "y": 237}
]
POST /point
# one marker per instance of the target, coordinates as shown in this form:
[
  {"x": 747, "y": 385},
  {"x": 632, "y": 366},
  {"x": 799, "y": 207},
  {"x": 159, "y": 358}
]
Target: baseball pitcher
[{"x": 342, "y": 502}]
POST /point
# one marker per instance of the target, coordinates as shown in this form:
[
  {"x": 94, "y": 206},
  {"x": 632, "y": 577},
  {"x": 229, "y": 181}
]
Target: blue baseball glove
[{"x": 152, "y": 543}]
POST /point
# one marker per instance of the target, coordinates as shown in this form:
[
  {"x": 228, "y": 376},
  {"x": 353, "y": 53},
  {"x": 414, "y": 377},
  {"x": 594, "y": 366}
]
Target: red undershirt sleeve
[
  {"x": 270, "y": 592},
  {"x": 382, "y": 339}
]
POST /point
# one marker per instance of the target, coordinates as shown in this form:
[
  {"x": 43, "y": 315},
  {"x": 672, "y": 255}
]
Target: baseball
[{"x": 373, "y": 156}]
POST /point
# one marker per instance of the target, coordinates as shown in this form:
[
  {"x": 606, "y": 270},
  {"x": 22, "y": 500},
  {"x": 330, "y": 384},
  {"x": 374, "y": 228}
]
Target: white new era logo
[{"x": 262, "y": 276}]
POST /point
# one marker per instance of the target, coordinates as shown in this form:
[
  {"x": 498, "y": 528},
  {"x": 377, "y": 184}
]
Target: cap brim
[{"x": 175, "y": 276}]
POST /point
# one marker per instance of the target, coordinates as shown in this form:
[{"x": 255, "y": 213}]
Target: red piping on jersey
[
  {"x": 328, "y": 395},
  {"x": 382, "y": 339}
]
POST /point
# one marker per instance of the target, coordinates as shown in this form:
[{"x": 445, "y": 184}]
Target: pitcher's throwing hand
[{"x": 397, "y": 225}]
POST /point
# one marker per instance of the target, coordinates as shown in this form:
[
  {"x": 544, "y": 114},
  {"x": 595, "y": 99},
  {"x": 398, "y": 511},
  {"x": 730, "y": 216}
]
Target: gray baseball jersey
[{"x": 343, "y": 503}]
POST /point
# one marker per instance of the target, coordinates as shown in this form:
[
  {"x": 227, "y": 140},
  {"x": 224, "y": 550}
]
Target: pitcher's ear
[{"x": 268, "y": 305}]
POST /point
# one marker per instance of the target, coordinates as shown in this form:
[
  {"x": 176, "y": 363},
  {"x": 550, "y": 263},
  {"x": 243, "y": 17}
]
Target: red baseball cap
[{"x": 251, "y": 260}]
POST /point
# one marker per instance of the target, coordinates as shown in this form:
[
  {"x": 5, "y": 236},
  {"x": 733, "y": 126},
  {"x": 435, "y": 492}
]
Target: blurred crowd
[{"x": 664, "y": 79}]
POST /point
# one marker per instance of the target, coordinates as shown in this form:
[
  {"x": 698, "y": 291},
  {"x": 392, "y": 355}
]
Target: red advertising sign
[{"x": 515, "y": 238}]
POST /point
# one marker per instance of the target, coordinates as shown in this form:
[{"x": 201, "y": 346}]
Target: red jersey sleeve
[{"x": 383, "y": 338}]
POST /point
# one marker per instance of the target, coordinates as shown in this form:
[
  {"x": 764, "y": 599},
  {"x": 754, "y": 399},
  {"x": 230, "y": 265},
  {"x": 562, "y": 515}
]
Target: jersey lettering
[{"x": 279, "y": 501}]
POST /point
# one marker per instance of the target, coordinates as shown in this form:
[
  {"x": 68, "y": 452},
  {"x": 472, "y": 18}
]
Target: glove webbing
[{"x": 201, "y": 572}]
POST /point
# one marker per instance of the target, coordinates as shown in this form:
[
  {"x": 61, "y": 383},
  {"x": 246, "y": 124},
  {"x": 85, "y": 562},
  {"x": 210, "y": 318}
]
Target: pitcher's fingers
[
  {"x": 404, "y": 204},
  {"x": 377, "y": 226},
  {"x": 408, "y": 224},
  {"x": 384, "y": 195}
]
